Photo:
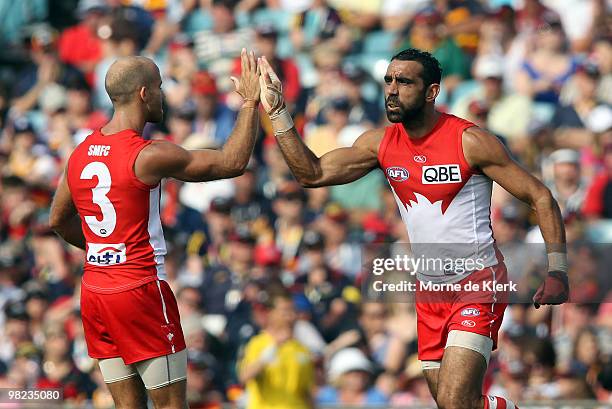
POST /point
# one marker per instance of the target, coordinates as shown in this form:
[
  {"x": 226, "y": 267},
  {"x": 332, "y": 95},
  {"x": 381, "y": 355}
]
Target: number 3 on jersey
[{"x": 106, "y": 226}]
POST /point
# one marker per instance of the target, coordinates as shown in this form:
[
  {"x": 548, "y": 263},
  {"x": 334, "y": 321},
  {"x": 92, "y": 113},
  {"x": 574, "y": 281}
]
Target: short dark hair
[
  {"x": 275, "y": 292},
  {"x": 432, "y": 72}
]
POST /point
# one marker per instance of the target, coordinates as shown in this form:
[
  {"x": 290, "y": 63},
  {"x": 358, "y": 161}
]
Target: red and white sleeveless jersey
[
  {"x": 444, "y": 203},
  {"x": 119, "y": 213}
]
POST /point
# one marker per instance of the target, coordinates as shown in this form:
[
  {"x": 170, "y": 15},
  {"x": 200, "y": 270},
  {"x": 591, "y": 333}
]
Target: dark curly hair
[{"x": 432, "y": 72}]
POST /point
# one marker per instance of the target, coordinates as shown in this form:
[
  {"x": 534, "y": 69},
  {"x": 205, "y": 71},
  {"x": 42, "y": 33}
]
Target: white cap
[
  {"x": 565, "y": 156},
  {"x": 600, "y": 119},
  {"x": 488, "y": 66},
  {"x": 347, "y": 360}
]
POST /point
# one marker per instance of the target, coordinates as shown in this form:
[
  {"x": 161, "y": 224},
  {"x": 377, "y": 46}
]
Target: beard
[
  {"x": 155, "y": 115},
  {"x": 404, "y": 113}
]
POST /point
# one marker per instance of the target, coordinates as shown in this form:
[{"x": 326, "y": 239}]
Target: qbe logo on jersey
[
  {"x": 439, "y": 174},
  {"x": 106, "y": 254}
]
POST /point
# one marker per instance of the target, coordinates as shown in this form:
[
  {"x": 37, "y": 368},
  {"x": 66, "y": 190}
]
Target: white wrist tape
[
  {"x": 281, "y": 121},
  {"x": 557, "y": 262}
]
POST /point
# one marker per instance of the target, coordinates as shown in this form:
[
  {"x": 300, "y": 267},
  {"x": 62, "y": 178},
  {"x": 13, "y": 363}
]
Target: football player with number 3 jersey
[{"x": 107, "y": 204}]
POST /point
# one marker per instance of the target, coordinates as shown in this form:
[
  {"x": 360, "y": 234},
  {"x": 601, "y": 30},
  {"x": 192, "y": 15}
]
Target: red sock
[{"x": 497, "y": 402}]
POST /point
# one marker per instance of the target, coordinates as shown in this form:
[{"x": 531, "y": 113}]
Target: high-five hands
[
  {"x": 272, "y": 98},
  {"x": 248, "y": 84}
]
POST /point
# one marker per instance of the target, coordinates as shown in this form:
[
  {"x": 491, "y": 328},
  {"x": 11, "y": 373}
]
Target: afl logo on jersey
[
  {"x": 397, "y": 173},
  {"x": 420, "y": 158}
]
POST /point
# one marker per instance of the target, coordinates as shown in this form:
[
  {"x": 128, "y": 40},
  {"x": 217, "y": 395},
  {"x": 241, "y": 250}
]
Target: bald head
[{"x": 126, "y": 77}]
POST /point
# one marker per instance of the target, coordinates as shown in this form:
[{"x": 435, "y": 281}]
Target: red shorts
[
  {"x": 137, "y": 324},
  {"x": 480, "y": 312}
]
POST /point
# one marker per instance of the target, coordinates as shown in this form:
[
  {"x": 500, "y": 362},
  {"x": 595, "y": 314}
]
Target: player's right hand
[
  {"x": 248, "y": 84},
  {"x": 553, "y": 291},
  {"x": 271, "y": 88}
]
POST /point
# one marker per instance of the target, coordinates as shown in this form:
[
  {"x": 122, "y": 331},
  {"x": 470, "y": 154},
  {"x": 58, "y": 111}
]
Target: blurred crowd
[{"x": 257, "y": 260}]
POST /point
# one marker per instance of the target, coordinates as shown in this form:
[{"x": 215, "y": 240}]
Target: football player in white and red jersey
[
  {"x": 107, "y": 203},
  {"x": 440, "y": 169}
]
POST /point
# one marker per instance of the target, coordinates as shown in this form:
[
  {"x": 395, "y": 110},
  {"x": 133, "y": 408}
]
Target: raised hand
[
  {"x": 248, "y": 84},
  {"x": 271, "y": 88}
]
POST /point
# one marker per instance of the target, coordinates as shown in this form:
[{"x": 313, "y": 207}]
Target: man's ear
[
  {"x": 432, "y": 92},
  {"x": 143, "y": 93}
]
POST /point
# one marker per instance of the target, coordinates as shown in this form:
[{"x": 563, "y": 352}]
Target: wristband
[
  {"x": 557, "y": 262},
  {"x": 281, "y": 121},
  {"x": 247, "y": 104}
]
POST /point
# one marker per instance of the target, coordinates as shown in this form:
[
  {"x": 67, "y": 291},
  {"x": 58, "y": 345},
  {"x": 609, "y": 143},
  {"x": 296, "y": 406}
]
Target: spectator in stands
[
  {"x": 505, "y": 114},
  {"x": 570, "y": 119},
  {"x": 567, "y": 185},
  {"x": 250, "y": 206},
  {"x": 548, "y": 65},
  {"x": 266, "y": 41},
  {"x": 214, "y": 120},
  {"x": 397, "y": 14},
  {"x": 231, "y": 274},
  {"x": 341, "y": 255},
  {"x": 325, "y": 138},
  {"x": 587, "y": 357},
  {"x": 80, "y": 45},
  {"x": 276, "y": 368},
  {"x": 45, "y": 71},
  {"x": 350, "y": 375},
  {"x": 216, "y": 49},
  {"x": 317, "y": 24},
  {"x": 120, "y": 38},
  {"x": 81, "y": 118},
  {"x": 364, "y": 110},
  {"x": 59, "y": 370},
  {"x": 182, "y": 64},
  {"x": 288, "y": 206},
  {"x": 16, "y": 331},
  {"x": 602, "y": 57},
  {"x": 463, "y": 19},
  {"x": 425, "y": 34},
  {"x": 598, "y": 200}
]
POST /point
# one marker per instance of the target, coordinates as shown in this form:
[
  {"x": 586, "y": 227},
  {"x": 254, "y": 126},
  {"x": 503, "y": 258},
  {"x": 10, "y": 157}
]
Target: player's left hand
[
  {"x": 553, "y": 291},
  {"x": 271, "y": 88}
]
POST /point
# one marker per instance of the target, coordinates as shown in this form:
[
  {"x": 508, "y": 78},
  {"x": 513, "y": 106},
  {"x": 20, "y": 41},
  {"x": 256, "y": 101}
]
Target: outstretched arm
[
  {"x": 337, "y": 167},
  {"x": 342, "y": 165},
  {"x": 484, "y": 151},
  {"x": 63, "y": 218},
  {"x": 165, "y": 159}
]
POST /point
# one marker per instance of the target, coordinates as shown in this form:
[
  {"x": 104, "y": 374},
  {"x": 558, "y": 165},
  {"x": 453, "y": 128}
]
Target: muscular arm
[
  {"x": 484, "y": 151},
  {"x": 64, "y": 219},
  {"x": 337, "y": 167},
  {"x": 165, "y": 159}
]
